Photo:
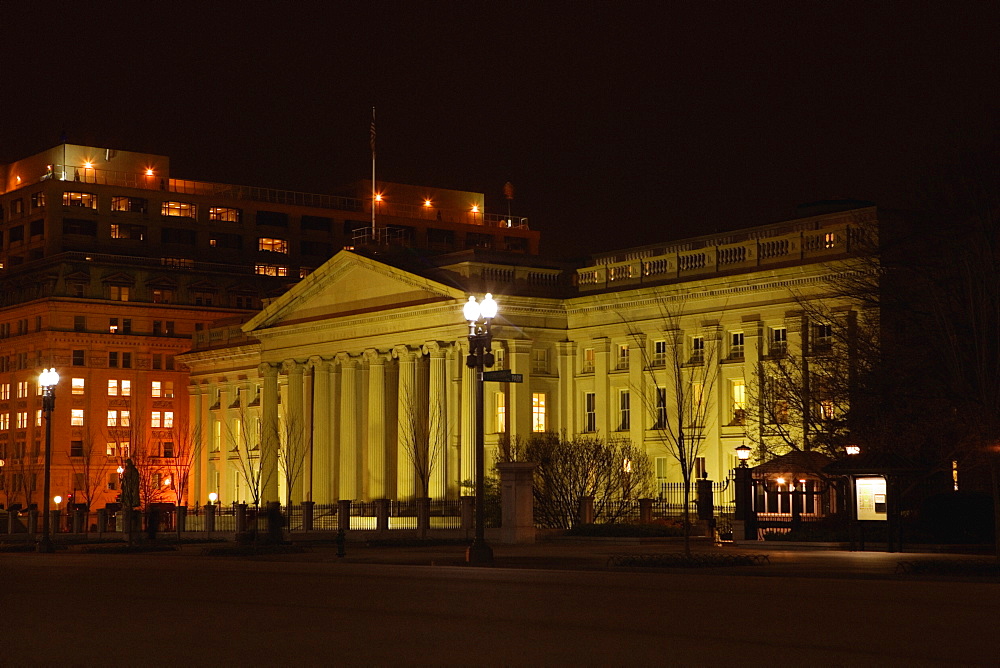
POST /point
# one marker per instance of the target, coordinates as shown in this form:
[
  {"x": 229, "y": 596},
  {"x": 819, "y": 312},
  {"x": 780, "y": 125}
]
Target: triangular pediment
[{"x": 347, "y": 285}]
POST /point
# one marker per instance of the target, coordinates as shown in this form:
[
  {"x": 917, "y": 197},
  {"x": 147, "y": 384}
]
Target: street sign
[{"x": 502, "y": 376}]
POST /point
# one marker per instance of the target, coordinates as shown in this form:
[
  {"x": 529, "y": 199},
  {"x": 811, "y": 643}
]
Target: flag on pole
[{"x": 371, "y": 137}]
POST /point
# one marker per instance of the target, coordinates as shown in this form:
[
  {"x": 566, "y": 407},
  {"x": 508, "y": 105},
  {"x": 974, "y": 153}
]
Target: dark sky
[{"x": 619, "y": 123}]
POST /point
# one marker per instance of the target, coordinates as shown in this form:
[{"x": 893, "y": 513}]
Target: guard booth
[
  {"x": 873, "y": 484},
  {"x": 781, "y": 494}
]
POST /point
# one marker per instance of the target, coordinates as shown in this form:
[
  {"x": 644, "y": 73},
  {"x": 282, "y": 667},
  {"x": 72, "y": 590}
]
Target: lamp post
[
  {"x": 47, "y": 380},
  {"x": 480, "y": 317}
]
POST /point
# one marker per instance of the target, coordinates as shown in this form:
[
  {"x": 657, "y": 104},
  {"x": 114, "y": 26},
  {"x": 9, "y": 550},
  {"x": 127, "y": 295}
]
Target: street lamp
[
  {"x": 744, "y": 492},
  {"x": 743, "y": 452},
  {"x": 47, "y": 380},
  {"x": 480, "y": 317}
]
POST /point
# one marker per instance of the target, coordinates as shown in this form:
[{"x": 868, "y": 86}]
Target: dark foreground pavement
[{"x": 377, "y": 606}]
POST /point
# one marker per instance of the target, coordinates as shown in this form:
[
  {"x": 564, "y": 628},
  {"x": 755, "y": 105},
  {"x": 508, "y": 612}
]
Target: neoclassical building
[{"x": 353, "y": 384}]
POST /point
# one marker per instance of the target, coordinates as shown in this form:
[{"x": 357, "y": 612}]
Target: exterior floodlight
[{"x": 853, "y": 450}]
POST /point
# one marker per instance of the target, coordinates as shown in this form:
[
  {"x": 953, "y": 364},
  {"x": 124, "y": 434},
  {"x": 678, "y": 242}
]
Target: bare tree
[
  {"x": 91, "y": 468},
  {"x": 186, "y": 447},
  {"x": 292, "y": 451},
  {"x": 250, "y": 445},
  {"x": 422, "y": 439},
  {"x": 683, "y": 379},
  {"x": 609, "y": 471}
]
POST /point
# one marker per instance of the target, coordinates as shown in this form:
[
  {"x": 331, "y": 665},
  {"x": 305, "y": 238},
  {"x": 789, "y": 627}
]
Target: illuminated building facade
[
  {"x": 109, "y": 266},
  {"x": 366, "y": 358}
]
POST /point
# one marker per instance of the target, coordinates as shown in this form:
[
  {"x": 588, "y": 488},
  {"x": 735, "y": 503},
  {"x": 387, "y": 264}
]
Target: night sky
[{"x": 618, "y": 123}]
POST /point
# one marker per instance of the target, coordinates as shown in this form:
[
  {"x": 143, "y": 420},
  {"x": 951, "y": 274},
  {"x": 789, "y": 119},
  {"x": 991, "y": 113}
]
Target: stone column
[
  {"x": 516, "y": 502},
  {"x": 321, "y": 445},
  {"x": 468, "y": 408},
  {"x": 637, "y": 360},
  {"x": 269, "y": 433},
  {"x": 408, "y": 423},
  {"x": 519, "y": 419},
  {"x": 438, "y": 420},
  {"x": 333, "y": 476},
  {"x": 602, "y": 363},
  {"x": 199, "y": 477},
  {"x": 566, "y": 350},
  {"x": 348, "y": 427},
  {"x": 293, "y": 436},
  {"x": 376, "y": 424}
]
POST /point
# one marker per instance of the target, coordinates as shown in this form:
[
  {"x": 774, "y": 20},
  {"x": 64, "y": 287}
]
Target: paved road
[{"x": 111, "y": 610}]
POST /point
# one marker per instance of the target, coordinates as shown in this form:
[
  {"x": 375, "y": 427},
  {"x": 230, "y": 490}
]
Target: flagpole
[{"x": 374, "y": 190}]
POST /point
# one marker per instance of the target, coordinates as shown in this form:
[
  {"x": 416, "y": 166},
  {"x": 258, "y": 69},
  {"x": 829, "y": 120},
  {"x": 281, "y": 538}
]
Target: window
[
  {"x": 157, "y": 420},
  {"x": 822, "y": 337},
  {"x": 736, "y": 344},
  {"x": 271, "y": 270},
  {"x": 118, "y": 388},
  {"x": 588, "y": 360},
  {"x": 16, "y": 234},
  {"x": 224, "y": 214},
  {"x": 539, "y": 360},
  {"x": 17, "y": 206},
  {"x": 624, "y": 410},
  {"x": 590, "y": 412},
  {"x": 168, "y": 419},
  {"x": 132, "y": 232},
  {"x": 129, "y": 204},
  {"x": 85, "y": 200},
  {"x": 78, "y": 385},
  {"x": 537, "y": 412},
  {"x": 781, "y": 411},
  {"x": 5, "y": 392},
  {"x": 203, "y": 298},
  {"x": 157, "y": 388},
  {"x": 79, "y": 323},
  {"x": 697, "y": 348},
  {"x": 37, "y": 228},
  {"x": 660, "y": 415},
  {"x": 157, "y": 361},
  {"x": 501, "y": 404},
  {"x": 176, "y": 235},
  {"x": 22, "y": 419},
  {"x": 272, "y": 245},
  {"x": 168, "y": 448},
  {"x": 319, "y": 223},
  {"x": 216, "y": 436},
  {"x": 230, "y": 241},
  {"x": 22, "y": 389},
  {"x": 112, "y": 477},
  {"x": 659, "y": 353},
  {"x": 4, "y": 421},
  {"x": 37, "y": 200},
  {"x": 118, "y": 293},
  {"x": 162, "y": 295},
  {"x": 79, "y": 226},
  {"x": 113, "y": 359},
  {"x": 79, "y": 358},
  {"x": 829, "y": 240},
  {"x": 779, "y": 341},
  {"x": 274, "y": 218},
  {"x": 76, "y": 417},
  {"x": 622, "y": 356},
  {"x": 738, "y": 392},
  {"x": 698, "y": 467},
  {"x": 182, "y": 209}
]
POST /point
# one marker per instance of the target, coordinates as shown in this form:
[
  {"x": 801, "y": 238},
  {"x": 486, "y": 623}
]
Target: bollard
[
  {"x": 209, "y": 517},
  {"x": 341, "y": 543},
  {"x": 102, "y": 520},
  {"x": 307, "y": 515},
  {"x": 181, "y": 519},
  {"x": 79, "y": 521}
]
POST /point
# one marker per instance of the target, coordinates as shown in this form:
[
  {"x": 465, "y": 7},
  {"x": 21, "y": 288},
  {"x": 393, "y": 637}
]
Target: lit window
[
  {"x": 588, "y": 360},
  {"x": 162, "y": 296},
  {"x": 22, "y": 419},
  {"x": 225, "y": 214},
  {"x": 85, "y": 200},
  {"x": 537, "y": 412},
  {"x": 622, "y": 356},
  {"x": 829, "y": 240},
  {"x": 182, "y": 209},
  {"x": 272, "y": 245},
  {"x": 157, "y": 420},
  {"x": 271, "y": 270},
  {"x": 739, "y": 396},
  {"x": 590, "y": 412},
  {"x": 216, "y": 436},
  {"x": 501, "y": 412},
  {"x": 78, "y": 385},
  {"x": 168, "y": 419},
  {"x": 5, "y": 392},
  {"x": 22, "y": 389},
  {"x": 131, "y": 204},
  {"x": 76, "y": 417},
  {"x": 4, "y": 420},
  {"x": 118, "y": 293},
  {"x": 697, "y": 392},
  {"x": 157, "y": 388}
]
